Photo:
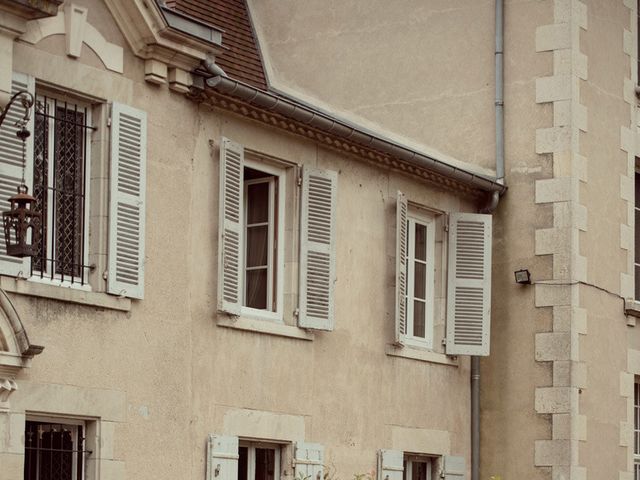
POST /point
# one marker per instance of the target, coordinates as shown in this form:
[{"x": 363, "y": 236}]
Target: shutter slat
[
  {"x": 318, "y": 249},
  {"x": 230, "y": 255},
  {"x": 222, "y": 457},
  {"x": 469, "y": 285},
  {"x": 127, "y": 201},
  {"x": 11, "y": 168},
  {"x": 401, "y": 267},
  {"x": 390, "y": 465},
  {"x": 453, "y": 468},
  {"x": 309, "y": 461}
]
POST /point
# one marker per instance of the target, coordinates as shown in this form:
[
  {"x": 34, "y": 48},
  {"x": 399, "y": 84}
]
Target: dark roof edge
[{"x": 297, "y": 110}]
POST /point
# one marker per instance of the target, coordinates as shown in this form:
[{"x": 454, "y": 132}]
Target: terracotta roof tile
[{"x": 242, "y": 61}]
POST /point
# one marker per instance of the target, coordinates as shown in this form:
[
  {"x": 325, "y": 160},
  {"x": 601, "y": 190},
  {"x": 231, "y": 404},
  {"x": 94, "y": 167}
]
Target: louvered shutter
[
  {"x": 469, "y": 284},
  {"x": 453, "y": 468},
  {"x": 309, "y": 461},
  {"x": 230, "y": 227},
  {"x": 401, "y": 267},
  {"x": 318, "y": 249},
  {"x": 222, "y": 457},
  {"x": 390, "y": 465},
  {"x": 127, "y": 201},
  {"x": 11, "y": 168}
]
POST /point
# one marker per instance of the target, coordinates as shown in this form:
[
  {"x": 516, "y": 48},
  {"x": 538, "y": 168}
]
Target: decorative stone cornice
[
  {"x": 30, "y": 9},
  {"x": 371, "y": 155},
  {"x": 7, "y": 387}
]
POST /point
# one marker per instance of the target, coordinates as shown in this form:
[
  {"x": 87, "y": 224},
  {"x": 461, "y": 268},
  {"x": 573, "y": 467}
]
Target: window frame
[
  {"x": 251, "y": 456},
  {"x": 409, "y": 459},
  {"x": 46, "y": 276},
  {"x": 277, "y": 193},
  {"x": 636, "y": 428},
  {"x": 429, "y": 222},
  {"x": 73, "y": 423}
]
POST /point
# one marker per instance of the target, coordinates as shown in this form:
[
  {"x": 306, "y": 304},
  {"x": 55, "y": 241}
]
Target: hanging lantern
[{"x": 22, "y": 225}]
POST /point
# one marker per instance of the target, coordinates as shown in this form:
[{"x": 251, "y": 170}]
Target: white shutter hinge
[
  {"x": 109, "y": 122},
  {"x": 443, "y": 342},
  {"x": 296, "y": 312},
  {"x": 299, "y": 181}
]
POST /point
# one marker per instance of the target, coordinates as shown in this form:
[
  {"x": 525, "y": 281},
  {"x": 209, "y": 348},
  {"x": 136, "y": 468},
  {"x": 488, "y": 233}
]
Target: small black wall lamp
[{"x": 523, "y": 276}]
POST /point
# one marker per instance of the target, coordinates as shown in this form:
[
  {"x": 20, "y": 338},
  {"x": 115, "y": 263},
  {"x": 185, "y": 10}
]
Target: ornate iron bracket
[{"x": 27, "y": 100}]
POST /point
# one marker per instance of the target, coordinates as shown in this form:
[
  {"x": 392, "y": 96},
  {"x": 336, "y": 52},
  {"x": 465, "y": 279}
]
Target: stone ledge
[
  {"x": 264, "y": 326},
  {"x": 65, "y": 294},
  {"x": 632, "y": 308},
  {"x": 421, "y": 355}
]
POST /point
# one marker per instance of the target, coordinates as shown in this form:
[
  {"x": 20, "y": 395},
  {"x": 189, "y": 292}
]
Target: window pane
[
  {"x": 419, "y": 280},
  {"x": 257, "y": 203},
  {"x": 265, "y": 464},
  {"x": 257, "y": 246},
  {"x": 256, "y": 289},
  {"x": 41, "y": 180},
  {"x": 418, "y": 319},
  {"x": 637, "y": 282},
  {"x": 242, "y": 463},
  {"x": 637, "y": 235},
  {"x": 421, "y": 242}
]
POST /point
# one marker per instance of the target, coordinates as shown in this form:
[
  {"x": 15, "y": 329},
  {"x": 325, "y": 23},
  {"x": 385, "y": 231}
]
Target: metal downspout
[{"x": 489, "y": 208}]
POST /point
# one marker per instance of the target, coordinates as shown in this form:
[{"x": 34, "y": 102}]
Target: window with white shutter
[
  {"x": 469, "y": 284},
  {"x": 222, "y": 457},
  {"x": 453, "y": 468},
  {"x": 58, "y": 160},
  {"x": 390, "y": 465}
]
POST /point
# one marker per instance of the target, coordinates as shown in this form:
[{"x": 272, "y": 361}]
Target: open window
[
  {"x": 257, "y": 239},
  {"x": 442, "y": 260},
  {"x": 399, "y": 465}
]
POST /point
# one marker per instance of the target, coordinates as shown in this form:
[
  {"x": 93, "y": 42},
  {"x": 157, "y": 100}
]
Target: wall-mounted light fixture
[{"x": 523, "y": 276}]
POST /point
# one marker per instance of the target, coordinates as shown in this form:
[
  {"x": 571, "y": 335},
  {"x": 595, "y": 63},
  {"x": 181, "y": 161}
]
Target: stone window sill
[
  {"x": 64, "y": 294},
  {"x": 632, "y": 311},
  {"x": 264, "y": 326},
  {"x": 421, "y": 355}
]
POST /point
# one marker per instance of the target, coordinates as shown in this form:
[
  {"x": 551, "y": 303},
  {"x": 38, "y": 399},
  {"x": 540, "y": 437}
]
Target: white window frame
[
  {"x": 73, "y": 425},
  {"x": 278, "y": 233},
  {"x": 636, "y": 428},
  {"x": 46, "y": 277},
  {"x": 408, "y": 468},
  {"x": 251, "y": 457},
  {"x": 429, "y": 223}
]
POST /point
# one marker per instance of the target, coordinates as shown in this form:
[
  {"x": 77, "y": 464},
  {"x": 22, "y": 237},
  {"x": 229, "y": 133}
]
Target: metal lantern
[{"x": 22, "y": 225}]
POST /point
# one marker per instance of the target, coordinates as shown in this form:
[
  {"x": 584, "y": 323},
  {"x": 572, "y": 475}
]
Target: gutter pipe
[
  {"x": 489, "y": 208},
  {"x": 292, "y": 108}
]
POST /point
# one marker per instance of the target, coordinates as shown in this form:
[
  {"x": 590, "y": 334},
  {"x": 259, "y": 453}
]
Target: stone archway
[{"x": 16, "y": 351}]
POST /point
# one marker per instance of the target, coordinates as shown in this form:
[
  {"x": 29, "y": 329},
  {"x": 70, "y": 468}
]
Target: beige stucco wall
[{"x": 169, "y": 373}]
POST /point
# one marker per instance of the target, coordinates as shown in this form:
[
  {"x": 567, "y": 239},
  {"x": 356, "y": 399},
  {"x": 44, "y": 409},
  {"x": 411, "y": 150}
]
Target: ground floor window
[
  {"x": 636, "y": 429},
  {"x": 54, "y": 450},
  {"x": 258, "y": 461},
  {"x": 417, "y": 468}
]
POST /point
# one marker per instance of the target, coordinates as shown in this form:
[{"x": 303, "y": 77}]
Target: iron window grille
[
  {"x": 60, "y": 186},
  {"x": 54, "y": 451}
]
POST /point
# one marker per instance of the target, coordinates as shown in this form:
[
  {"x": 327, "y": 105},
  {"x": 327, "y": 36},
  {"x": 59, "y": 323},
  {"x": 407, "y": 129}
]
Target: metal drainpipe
[{"x": 489, "y": 208}]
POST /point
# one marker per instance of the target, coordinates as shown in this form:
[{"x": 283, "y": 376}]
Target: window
[
  {"x": 443, "y": 279},
  {"x": 94, "y": 247},
  {"x": 636, "y": 429},
  {"x": 417, "y": 468},
  {"x": 258, "y": 461},
  {"x": 636, "y": 260},
  {"x": 255, "y": 231},
  {"x": 54, "y": 451},
  {"x": 419, "y": 264},
  {"x": 60, "y": 172},
  {"x": 263, "y": 234}
]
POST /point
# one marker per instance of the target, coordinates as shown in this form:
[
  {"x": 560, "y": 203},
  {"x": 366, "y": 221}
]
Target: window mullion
[
  {"x": 411, "y": 255},
  {"x": 49, "y": 267},
  {"x": 251, "y": 460},
  {"x": 270, "y": 245},
  {"x": 430, "y": 284}
]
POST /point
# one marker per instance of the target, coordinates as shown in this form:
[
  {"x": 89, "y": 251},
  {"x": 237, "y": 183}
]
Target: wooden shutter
[
  {"x": 127, "y": 201},
  {"x": 222, "y": 458},
  {"x": 390, "y": 465},
  {"x": 453, "y": 468},
  {"x": 401, "y": 267},
  {"x": 318, "y": 249},
  {"x": 309, "y": 461},
  {"x": 230, "y": 227},
  {"x": 11, "y": 168},
  {"x": 469, "y": 284}
]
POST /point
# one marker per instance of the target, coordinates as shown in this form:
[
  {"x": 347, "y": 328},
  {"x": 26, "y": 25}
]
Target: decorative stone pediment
[{"x": 16, "y": 351}]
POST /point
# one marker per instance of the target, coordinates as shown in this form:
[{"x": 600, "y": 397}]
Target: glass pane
[
  {"x": 257, "y": 246},
  {"x": 421, "y": 242},
  {"x": 419, "y": 280},
  {"x": 256, "y": 289},
  {"x": 41, "y": 180},
  {"x": 637, "y": 185},
  {"x": 637, "y": 282},
  {"x": 242, "y": 463},
  {"x": 265, "y": 464},
  {"x": 257, "y": 203},
  {"x": 418, "y": 319},
  {"x": 418, "y": 471},
  {"x": 637, "y": 234}
]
